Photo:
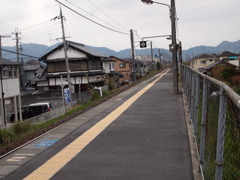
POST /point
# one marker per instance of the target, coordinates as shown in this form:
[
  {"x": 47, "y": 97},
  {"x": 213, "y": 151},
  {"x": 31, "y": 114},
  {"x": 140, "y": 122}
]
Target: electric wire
[
  {"x": 92, "y": 15},
  {"x": 18, "y": 53},
  {"x": 91, "y": 19},
  {"x": 42, "y": 31},
  {"x": 107, "y": 15},
  {"x": 35, "y": 25},
  {"x": 33, "y": 33},
  {"x": 138, "y": 35}
]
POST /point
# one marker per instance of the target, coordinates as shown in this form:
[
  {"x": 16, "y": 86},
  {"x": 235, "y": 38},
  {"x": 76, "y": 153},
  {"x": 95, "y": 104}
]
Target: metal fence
[
  {"x": 215, "y": 115},
  {"x": 48, "y": 115}
]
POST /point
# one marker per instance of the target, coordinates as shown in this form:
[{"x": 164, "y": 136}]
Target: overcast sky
[{"x": 201, "y": 22}]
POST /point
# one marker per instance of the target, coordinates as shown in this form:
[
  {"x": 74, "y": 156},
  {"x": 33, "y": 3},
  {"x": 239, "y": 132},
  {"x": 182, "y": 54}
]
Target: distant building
[
  {"x": 140, "y": 66},
  {"x": 229, "y": 57},
  {"x": 123, "y": 67},
  {"x": 111, "y": 74},
  {"x": 10, "y": 96},
  {"x": 202, "y": 60},
  {"x": 217, "y": 69},
  {"x": 86, "y": 69},
  {"x": 32, "y": 69}
]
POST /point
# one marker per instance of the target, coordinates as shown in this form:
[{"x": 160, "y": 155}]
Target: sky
[{"x": 200, "y": 22}]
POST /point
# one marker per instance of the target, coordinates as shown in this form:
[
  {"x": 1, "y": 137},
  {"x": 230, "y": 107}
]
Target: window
[
  {"x": 50, "y": 68},
  {"x": 111, "y": 66},
  {"x": 123, "y": 65},
  {"x": 57, "y": 67},
  {"x": 203, "y": 62},
  {"x": 94, "y": 65},
  {"x": 7, "y": 72},
  {"x": 75, "y": 66},
  {"x": 63, "y": 67},
  {"x": 83, "y": 65}
]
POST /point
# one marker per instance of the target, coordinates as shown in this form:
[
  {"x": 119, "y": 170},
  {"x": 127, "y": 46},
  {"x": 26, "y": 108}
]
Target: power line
[
  {"x": 107, "y": 15},
  {"x": 29, "y": 27},
  {"x": 92, "y": 15},
  {"x": 91, "y": 19},
  {"x": 138, "y": 35},
  {"x": 18, "y": 53}
]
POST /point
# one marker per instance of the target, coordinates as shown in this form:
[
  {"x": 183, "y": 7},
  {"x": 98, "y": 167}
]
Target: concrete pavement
[{"x": 147, "y": 140}]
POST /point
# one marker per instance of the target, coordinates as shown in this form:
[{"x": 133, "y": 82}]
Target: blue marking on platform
[{"x": 45, "y": 143}]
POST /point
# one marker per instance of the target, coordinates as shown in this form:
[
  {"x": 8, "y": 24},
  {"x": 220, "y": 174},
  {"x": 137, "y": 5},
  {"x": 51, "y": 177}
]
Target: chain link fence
[
  {"x": 48, "y": 115},
  {"x": 215, "y": 116}
]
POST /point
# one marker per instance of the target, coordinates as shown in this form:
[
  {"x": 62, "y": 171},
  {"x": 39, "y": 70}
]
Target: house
[
  {"x": 85, "y": 65},
  {"x": 111, "y": 74},
  {"x": 139, "y": 67},
  {"x": 124, "y": 68},
  {"x": 10, "y": 96},
  {"x": 202, "y": 60},
  {"x": 223, "y": 71},
  {"x": 32, "y": 69},
  {"x": 230, "y": 57}
]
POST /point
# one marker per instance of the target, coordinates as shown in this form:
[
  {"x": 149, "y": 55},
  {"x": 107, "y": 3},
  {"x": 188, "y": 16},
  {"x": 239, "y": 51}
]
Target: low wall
[{"x": 56, "y": 101}]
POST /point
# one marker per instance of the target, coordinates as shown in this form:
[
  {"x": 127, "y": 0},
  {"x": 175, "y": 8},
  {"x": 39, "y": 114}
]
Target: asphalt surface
[{"x": 147, "y": 141}]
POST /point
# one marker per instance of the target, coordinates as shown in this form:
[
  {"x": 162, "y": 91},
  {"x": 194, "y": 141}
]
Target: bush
[
  {"x": 21, "y": 127},
  {"x": 106, "y": 93},
  {"x": 5, "y": 136},
  {"x": 227, "y": 73},
  {"x": 95, "y": 95}
]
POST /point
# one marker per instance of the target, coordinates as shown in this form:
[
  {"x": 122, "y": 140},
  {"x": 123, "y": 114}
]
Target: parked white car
[{"x": 44, "y": 104}]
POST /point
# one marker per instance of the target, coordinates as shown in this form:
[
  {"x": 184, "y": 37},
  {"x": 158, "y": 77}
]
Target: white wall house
[
  {"x": 202, "y": 60},
  {"x": 229, "y": 57},
  {"x": 85, "y": 68},
  {"x": 10, "y": 98}
]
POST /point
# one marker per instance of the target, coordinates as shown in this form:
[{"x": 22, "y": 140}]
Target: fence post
[
  {"x": 187, "y": 82},
  {"x": 189, "y": 86},
  {"x": 220, "y": 137},
  {"x": 192, "y": 97},
  {"x": 195, "y": 118},
  {"x": 204, "y": 119}
]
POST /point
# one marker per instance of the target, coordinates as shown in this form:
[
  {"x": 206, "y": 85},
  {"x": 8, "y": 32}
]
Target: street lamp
[
  {"x": 147, "y": 1},
  {"x": 174, "y": 41}
]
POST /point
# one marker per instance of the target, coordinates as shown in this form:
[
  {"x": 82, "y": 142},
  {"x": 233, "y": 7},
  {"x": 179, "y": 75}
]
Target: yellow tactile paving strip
[{"x": 54, "y": 164}]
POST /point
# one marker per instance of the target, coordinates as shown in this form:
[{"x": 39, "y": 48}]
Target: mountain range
[{"x": 37, "y": 50}]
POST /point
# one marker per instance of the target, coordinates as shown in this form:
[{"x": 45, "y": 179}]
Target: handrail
[{"x": 229, "y": 91}]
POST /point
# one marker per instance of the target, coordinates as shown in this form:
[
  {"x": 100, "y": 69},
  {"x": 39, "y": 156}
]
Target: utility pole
[
  {"x": 152, "y": 55},
  {"x": 17, "y": 38},
  {"x": 160, "y": 60},
  {"x": 174, "y": 47},
  {"x": 3, "y": 100},
  {"x": 1, "y": 36},
  {"x": 133, "y": 55},
  {"x": 66, "y": 58}
]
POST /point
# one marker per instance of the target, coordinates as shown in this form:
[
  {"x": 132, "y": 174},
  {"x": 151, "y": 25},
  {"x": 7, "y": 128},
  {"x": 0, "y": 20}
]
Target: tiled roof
[
  {"x": 85, "y": 49},
  {"x": 203, "y": 69},
  {"x": 7, "y": 62},
  {"x": 77, "y": 46},
  {"x": 203, "y": 56},
  {"x": 226, "y": 54}
]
